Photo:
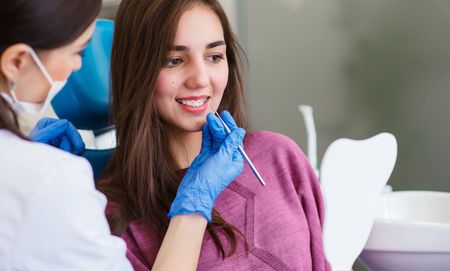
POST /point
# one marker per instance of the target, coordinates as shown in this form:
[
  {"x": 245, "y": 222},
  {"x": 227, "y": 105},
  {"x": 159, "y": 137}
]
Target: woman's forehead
[{"x": 199, "y": 25}]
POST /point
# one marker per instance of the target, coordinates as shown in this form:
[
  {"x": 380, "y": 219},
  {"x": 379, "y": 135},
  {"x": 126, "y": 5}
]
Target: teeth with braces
[{"x": 196, "y": 103}]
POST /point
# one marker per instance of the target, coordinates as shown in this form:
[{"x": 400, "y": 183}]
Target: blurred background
[{"x": 364, "y": 66}]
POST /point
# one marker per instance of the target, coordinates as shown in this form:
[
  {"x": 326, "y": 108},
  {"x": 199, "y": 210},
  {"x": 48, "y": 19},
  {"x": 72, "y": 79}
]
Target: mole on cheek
[{"x": 173, "y": 82}]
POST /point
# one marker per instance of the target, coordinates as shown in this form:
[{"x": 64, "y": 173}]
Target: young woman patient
[{"x": 173, "y": 62}]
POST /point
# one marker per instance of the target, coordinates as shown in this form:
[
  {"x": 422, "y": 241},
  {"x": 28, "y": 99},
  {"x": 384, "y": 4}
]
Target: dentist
[{"x": 51, "y": 216}]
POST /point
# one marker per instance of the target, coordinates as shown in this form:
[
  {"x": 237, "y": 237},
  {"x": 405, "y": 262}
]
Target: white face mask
[{"x": 36, "y": 108}]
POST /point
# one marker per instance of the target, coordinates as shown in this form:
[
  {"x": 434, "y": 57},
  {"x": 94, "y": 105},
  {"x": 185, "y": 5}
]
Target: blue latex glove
[
  {"x": 58, "y": 133},
  {"x": 217, "y": 165}
]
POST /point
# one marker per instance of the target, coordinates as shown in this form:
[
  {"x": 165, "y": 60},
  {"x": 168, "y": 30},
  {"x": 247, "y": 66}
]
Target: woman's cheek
[{"x": 167, "y": 84}]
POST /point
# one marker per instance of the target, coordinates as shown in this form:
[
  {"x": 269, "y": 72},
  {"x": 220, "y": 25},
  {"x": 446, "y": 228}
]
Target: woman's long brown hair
[{"x": 143, "y": 175}]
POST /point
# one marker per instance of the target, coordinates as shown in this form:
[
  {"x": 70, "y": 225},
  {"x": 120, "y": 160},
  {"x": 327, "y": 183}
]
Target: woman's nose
[{"x": 198, "y": 77}]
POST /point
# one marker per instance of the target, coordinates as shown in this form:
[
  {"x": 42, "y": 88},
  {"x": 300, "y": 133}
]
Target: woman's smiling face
[{"x": 195, "y": 73}]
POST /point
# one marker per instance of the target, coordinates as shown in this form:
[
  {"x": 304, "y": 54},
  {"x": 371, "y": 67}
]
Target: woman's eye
[
  {"x": 215, "y": 58},
  {"x": 173, "y": 62}
]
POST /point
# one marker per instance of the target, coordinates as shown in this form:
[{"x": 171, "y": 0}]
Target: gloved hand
[
  {"x": 217, "y": 165},
  {"x": 58, "y": 133}
]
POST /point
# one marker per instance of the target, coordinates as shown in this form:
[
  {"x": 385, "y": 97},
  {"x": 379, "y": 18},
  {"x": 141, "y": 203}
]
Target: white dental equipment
[
  {"x": 307, "y": 113},
  {"x": 353, "y": 175},
  {"x": 241, "y": 150},
  {"x": 411, "y": 232}
]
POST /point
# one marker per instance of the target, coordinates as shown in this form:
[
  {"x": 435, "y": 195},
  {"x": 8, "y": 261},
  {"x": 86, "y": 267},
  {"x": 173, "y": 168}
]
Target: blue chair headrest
[{"x": 85, "y": 98}]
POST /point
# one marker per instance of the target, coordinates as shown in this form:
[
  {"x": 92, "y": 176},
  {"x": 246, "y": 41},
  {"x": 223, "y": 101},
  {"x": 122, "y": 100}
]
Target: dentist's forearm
[{"x": 182, "y": 243}]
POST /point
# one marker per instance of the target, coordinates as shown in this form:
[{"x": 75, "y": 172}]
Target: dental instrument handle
[
  {"x": 241, "y": 150},
  {"x": 252, "y": 167}
]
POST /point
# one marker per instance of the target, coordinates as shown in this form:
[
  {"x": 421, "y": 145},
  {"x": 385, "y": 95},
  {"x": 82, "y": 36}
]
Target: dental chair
[{"x": 85, "y": 100}]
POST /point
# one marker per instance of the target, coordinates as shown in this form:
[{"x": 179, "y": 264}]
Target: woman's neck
[{"x": 185, "y": 147}]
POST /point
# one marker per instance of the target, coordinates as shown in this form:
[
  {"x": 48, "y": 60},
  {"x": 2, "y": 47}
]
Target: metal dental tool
[{"x": 241, "y": 150}]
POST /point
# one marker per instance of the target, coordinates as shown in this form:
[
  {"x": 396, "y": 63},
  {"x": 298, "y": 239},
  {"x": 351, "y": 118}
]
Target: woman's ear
[{"x": 13, "y": 60}]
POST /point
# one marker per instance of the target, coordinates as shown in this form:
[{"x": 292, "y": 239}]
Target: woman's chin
[
  {"x": 187, "y": 125},
  {"x": 192, "y": 128},
  {"x": 198, "y": 127}
]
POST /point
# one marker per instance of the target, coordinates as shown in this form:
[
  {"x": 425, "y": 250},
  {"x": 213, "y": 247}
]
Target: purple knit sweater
[{"x": 282, "y": 221}]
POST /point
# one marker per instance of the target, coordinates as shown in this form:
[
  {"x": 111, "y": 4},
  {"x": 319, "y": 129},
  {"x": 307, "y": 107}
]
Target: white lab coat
[{"x": 51, "y": 215}]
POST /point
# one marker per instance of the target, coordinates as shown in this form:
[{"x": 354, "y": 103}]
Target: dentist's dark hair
[
  {"x": 43, "y": 25},
  {"x": 143, "y": 178}
]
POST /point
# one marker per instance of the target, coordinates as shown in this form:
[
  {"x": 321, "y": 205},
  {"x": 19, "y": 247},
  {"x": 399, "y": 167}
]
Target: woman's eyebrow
[
  {"x": 178, "y": 48},
  {"x": 215, "y": 44},
  {"x": 186, "y": 48}
]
